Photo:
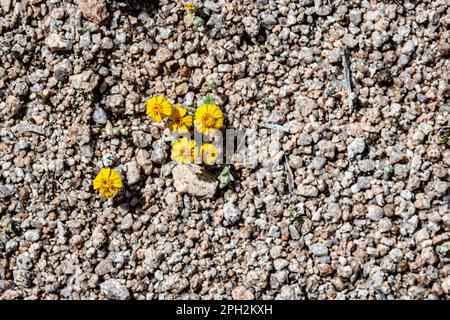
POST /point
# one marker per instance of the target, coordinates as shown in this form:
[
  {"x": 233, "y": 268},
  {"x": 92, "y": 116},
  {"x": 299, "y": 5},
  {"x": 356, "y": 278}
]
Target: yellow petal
[{"x": 187, "y": 121}]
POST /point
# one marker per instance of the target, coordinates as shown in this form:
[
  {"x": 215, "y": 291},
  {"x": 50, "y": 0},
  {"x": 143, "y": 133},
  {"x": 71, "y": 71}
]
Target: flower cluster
[{"x": 208, "y": 119}]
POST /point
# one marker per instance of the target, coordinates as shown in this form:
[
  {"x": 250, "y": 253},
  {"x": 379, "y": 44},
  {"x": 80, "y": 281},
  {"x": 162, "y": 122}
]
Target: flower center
[
  {"x": 178, "y": 120},
  {"x": 208, "y": 120},
  {"x": 184, "y": 152},
  {"x": 107, "y": 185},
  {"x": 158, "y": 107}
]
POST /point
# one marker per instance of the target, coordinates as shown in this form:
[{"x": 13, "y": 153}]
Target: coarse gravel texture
[{"x": 367, "y": 218}]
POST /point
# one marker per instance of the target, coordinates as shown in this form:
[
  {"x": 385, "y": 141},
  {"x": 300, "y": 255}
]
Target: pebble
[
  {"x": 318, "y": 249},
  {"x": 356, "y": 147},
  {"x": 104, "y": 267},
  {"x": 194, "y": 180},
  {"x": 241, "y": 293},
  {"x": 251, "y": 26},
  {"x": 94, "y": 10},
  {"x": 32, "y": 235},
  {"x": 308, "y": 191},
  {"x": 375, "y": 213},
  {"x": 63, "y": 70},
  {"x": 99, "y": 116},
  {"x": 56, "y": 43},
  {"x": 231, "y": 213},
  {"x": 133, "y": 174},
  {"x": 113, "y": 289}
]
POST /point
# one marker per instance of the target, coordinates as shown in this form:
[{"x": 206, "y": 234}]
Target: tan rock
[
  {"x": 241, "y": 293},
  {"x": 194, "y": 180},
  {"x": 94, "y": 10}
]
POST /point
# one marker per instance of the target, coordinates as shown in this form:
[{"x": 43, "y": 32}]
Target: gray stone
[
  {"x": 375, "y": 213},
  {"x": 99, "y": 116},
  {"x": 304, "y": 139},
  {"x": 251, "y": 26},
  {"x": 63, "y": 70},
  {"x": 319, "y": 162},
  {"x": 133, "y": 174},
  {"x": 24, "y": 262},
  {"x": 7, "y": 190},
  {"x": 441, "y": 187},
  {"x": 231, "y": 213},
  {"x": 408, "y": 48},
  {"x": 159, "y": 152},
  {"x": 127, "y": 222},
  {"x": 32, "y": 235},
  {"x": 17, "y": 51},
  {"x": 113, "y": 289},
  {"x": 356, "y": 147},
  {"x": 212, "y": 5},
  {"x": 384, "y": 225},
  {"x": 366, "y": 165},
  {"x": 280, "y": 264},
  {"x": 267, "y": 19},
  {"x": 319, "y": 249},
  {"x": 308, "y": 191},
  {"x": 355, "y": 17},
  {"x": 403, "y": 31}
]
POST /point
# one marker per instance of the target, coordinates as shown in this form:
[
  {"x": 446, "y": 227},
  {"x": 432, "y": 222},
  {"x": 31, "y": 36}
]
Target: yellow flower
[
  {"x": 178, "y": 120},
  {"x": 189, "y": 6},
  {"x": 208, "y": 118},
  {"x": 184, "y": 151},
  {"x": 158, "y": 108},
  {"x": 108, "y": 182},
  {"x": 209, "y": 153}
]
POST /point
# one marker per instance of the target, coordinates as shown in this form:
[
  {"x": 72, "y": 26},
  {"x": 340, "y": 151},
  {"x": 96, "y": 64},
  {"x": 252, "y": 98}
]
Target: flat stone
[
  {"x": 56, "y": 43},
  {"x": 308, "y": 191},
  {"x": 194, "y": 180}
]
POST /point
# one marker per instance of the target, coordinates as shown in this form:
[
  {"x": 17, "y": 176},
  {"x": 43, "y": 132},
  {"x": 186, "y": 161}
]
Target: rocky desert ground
[{"x": 352, "y": 201}]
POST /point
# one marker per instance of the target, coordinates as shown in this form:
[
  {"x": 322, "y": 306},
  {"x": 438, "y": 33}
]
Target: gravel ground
[{"x": 366, "y": 215}]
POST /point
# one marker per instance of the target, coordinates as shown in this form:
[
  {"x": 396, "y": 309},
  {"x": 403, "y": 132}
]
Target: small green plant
[
  {"x": 84, "y": 30},
  {"x": 270, "y": 104},
  {"x": 42, "y": 99},
  {"x": 6, "y": 222},
  {"x": 212, "y": 86},
  {"x": 6, "y": 47},
  {"x": 444, "y": 138},
  {"x": 293, "y": 214},
  {"x": 210, "y": 99},
  {"x": 225, "y": 177},
  {"x": 442, "y": 250},
  {"x": 396, "y": 121}
]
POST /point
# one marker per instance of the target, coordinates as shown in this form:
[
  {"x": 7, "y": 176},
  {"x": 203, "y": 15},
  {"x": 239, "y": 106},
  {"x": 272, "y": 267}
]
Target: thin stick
[
  {"x": 291, "y": 175},
  {"x": 271, "y": 126},
  {"x": 347, "y": 78},
  {"x": 401, "y": 5}
]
